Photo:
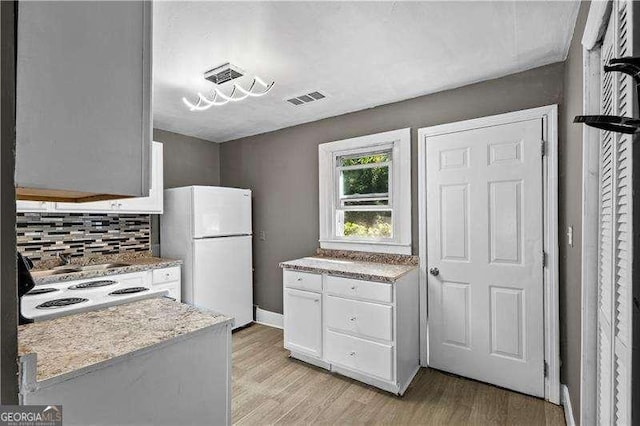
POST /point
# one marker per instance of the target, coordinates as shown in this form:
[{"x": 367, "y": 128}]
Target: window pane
[
  {"x": 372, "y": 224},
  {"x": 373, "y": 180},
  {"x": 381, "y": 157}
]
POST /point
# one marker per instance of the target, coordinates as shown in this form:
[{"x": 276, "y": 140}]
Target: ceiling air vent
[
  {"x": 223, "y": 73},
  {"x": 305, "y": 99}
]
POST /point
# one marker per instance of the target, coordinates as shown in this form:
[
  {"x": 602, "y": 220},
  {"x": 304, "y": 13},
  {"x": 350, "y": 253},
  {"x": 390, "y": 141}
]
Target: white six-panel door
[{"x": 485, "y": 252}]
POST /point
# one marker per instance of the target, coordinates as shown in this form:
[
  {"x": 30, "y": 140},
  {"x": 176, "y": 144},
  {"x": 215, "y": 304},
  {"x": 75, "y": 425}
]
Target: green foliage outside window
[
  {"x": 379, "y": 227},
  {"x": 373, "y": 180},
  {"x": 364, "y": 182}
]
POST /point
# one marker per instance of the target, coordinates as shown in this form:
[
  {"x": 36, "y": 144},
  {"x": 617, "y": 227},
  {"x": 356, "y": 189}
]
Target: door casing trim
[{"x": 549, "y": 134}]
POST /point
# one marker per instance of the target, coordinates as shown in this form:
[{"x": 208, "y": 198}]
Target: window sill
[{"x": 371, "y": 246}]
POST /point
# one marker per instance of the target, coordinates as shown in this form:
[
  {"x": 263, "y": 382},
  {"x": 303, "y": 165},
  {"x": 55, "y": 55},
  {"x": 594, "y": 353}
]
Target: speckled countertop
[
  {"x": 135, "y": 262},
  {"x": 70, "y": 343},
  {"x": 358, "y": 265}
]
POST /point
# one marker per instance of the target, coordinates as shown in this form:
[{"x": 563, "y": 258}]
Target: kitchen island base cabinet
[
  {"x": 183, "y": 381},
  {"x": 365, "y": 330}
]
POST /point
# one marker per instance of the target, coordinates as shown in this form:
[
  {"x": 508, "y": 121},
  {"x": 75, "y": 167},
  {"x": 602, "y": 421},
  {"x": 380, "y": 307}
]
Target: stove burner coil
[
  {"x": 129, "y": 290},
  {"x": 60, "y": 303},
  {"x": 92, "y": 284}
]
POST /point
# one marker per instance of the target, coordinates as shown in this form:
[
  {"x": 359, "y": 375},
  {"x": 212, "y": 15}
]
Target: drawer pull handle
[
  {"x": 299, "y": 279},
  {"x": 353, "y": 353},
  {"x": 352, "y": 319},
  {"x": 353, "y": 287}
]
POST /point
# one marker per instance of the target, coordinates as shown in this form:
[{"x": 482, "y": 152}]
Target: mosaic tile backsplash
[{"x": 41, "y": 236}]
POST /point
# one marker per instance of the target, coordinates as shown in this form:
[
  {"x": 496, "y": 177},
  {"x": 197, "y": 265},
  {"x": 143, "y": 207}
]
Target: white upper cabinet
[
  {"x": 153, "y": 204},
  {"x": 34, "y": 206},
  {"x": 83, "y": 100}
]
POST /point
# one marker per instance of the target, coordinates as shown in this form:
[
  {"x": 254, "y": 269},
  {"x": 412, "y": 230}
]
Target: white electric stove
[{"x": 48, "y": 301}]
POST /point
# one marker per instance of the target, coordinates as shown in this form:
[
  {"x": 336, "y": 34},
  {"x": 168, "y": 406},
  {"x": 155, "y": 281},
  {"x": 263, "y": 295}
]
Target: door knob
[{"x": 434, "y": 271}]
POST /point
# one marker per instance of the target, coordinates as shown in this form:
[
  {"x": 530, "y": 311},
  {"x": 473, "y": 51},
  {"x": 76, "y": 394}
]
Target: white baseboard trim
[
  {"x": 566, "y": 403},
  {"x": 268, "y": 318}
]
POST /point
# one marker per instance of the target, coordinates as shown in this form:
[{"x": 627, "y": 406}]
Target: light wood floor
[{"x": 270, "y": 388}]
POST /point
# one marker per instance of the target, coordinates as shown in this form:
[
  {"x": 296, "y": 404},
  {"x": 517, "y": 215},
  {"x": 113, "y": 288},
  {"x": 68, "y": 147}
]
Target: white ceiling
[{"x": 359, "y": 54}]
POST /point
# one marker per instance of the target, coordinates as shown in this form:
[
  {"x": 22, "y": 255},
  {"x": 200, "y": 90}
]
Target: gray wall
[
  {"x": 281, "y": 167},
  {"x": 8, "y": 296},
  {"x": 187, "y": 161},
  {"x": 570, "y": 173}
]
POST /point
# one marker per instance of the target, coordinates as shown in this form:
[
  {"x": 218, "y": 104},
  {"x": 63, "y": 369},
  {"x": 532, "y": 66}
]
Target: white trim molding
[
  {"x": 566, "y": 404},
  {"x": 268, "y": 318},
  {"x": 596, "y": 24},
  {"x": 597, "y": 20},
  {"x": 399, "y": 144},
  {"x": 590, "y": 236},
  {"x": 549, "y": 116}
]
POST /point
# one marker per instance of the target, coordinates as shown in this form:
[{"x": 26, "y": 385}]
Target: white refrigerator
[{"x": 209, "y": 229}]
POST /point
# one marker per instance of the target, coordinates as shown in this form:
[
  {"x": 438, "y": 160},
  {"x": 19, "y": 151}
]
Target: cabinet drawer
[
  {"x": 131, "y": 280},
  {"x": 302, "y": 280},
  {"x": 357, "y": 288},
  {"x": 371, "y": 358},
  {"x": 166, "y": 274},
  {"x": 364, "y": 318}
]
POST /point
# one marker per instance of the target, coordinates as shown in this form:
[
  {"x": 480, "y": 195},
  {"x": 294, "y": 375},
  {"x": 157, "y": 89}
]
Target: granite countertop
[
  {"x": 135, "y": 262},
  {"x": 358, "y": 265},
  {"x": 73, "y": 342}
]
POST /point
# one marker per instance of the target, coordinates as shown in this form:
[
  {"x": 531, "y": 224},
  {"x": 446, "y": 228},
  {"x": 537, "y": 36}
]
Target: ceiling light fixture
[{"x": 222, "y": 74}]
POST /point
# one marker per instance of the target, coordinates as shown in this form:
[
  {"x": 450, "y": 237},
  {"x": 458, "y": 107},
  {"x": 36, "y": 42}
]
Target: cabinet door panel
[
  {"x": 83, "y": 98},
  {"x": 303, "y": 322},
  {"x": 152, "y": 203}
]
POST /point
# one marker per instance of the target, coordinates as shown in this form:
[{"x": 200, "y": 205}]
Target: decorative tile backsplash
[{"x": 42, "y": 236}]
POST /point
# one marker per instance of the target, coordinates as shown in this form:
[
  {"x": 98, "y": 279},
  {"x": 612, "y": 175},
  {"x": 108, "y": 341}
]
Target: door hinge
[
  {"x": 545, "y": 369},
  {"x": 543, "y": 147},
  {"x": 544, "y": 259}
]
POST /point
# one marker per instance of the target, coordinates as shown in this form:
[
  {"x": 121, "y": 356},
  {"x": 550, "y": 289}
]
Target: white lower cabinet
[
  {"x": 362, "y": 318},
  {"x": 368, "y": 357},
  {"x": 169, "y": 279},
  {"x": 365, "y": 330},
  {"x": 303, "y": 322}
]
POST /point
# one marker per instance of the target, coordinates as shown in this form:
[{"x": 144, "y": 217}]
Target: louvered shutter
[{"x": 615, "y": 242}]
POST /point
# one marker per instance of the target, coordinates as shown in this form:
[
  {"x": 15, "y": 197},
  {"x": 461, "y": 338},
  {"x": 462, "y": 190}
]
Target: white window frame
[{"x": 399, "y": 142}]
